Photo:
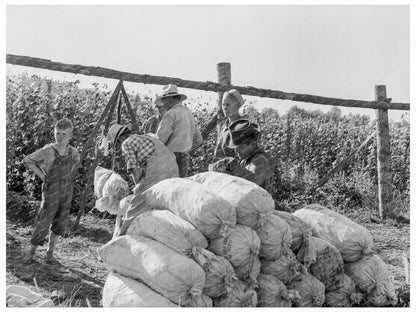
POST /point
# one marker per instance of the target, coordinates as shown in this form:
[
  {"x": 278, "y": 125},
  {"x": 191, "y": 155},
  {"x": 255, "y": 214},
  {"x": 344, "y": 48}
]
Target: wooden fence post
[
  {"x": 224, "y": 77},
  {"x": 383, "y": 156}
]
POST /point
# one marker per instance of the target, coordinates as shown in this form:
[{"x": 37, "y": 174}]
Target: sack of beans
[
  {"x": 285, "y": 268},
  {"x": 301, "y": 237},
  {"x": 124, "y": 204},
  {"x": 328, "y": 266},
  {"x": 273, "y": 293},
  {"x": 208, "y": 212},
  {"x": 248, "y": 272},
  {"x": 240, "y": 296},
  {"x": 121, "y": 291},
  {"x": 350, "y": 238},
  {"x": 253, "y": 204},
  {"x": 116, "y": 187},
  {"x": 168, "y": 229},
  {"x": 101, "y": 176},
  {"x": 219, "y": 273},
  {"x": 275, "y": 236},
  {"x": 346, "y": 295},
  {"x": 371, "y": 278},
  {"x": 108, "y": 204},
  {"x": 310, "y": 289},
  {"x": 176, "y": 277},
  {"x": 239, "y": 247}
]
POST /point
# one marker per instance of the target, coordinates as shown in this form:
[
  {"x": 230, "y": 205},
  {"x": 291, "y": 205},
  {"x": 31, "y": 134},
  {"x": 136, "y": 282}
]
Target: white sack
[
  {"x": 240, "y": 247},
  {"x": 121, "y": 291},
  {"x": 350, "y": 238},
  {"x": 169, "y": 273},
  {"x": 195, "y": 203},
  {"x": 253, "y": 204},
  {"x": 219, "y": 273},
  {"x": 101, "y": 176},
  {"x": 275, "y": 236},
  {"x": 371, "y": 278},
  {"x": 168, "y": 229},
  {"x": 273, "y": 293}
]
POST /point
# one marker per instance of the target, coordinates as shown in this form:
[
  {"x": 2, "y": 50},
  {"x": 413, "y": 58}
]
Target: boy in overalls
[{"x": 53, "y": 164}]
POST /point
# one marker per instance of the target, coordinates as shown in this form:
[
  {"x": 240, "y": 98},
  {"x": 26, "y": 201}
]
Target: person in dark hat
[
  {"x": 252, "y": 162},
  {"x": 148, "y": 160},
  {"x": 177, "y": 129}
]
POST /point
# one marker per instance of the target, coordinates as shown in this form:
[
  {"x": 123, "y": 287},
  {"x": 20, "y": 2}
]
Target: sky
[{"x": 340, "y": 51}]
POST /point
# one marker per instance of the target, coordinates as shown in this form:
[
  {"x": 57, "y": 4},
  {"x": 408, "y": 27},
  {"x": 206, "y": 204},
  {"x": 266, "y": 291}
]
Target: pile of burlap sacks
[{"x": 215, "y": 240}]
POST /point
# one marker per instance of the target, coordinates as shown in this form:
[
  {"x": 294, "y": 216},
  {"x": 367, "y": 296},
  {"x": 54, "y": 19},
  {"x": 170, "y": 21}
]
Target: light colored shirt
[
  {"x": 44, "y": 158},
  {"x": 178, "y": 130},
  {"x": 136, "y": 149}
]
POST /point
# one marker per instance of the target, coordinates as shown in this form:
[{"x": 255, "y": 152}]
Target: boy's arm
[
  {"x": 37, "y": 170},
  {"x": 33, "y": 161}
]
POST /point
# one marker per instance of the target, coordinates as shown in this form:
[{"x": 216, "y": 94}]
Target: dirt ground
[{"x": 78, "y": 279}]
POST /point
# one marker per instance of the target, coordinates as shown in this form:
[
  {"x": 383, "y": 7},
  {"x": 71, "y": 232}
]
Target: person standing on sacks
[{"x": 148, "y": 160}]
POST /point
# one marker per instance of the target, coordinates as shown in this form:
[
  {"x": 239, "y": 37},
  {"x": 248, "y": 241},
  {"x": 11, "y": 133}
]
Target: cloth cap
[
  {"x": 115, "y": 131},
  {"x": 235, "y": 96}
]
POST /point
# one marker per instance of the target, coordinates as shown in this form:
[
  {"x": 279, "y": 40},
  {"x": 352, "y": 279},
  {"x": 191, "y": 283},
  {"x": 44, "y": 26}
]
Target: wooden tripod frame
[{"x": 115, "y": 100}]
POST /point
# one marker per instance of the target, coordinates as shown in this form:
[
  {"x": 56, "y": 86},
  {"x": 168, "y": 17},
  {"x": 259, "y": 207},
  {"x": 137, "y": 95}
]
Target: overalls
[{"x": 56, "y": 199}]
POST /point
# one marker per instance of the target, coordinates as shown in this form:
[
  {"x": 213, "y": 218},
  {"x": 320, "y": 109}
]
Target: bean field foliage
[{"x": 304, "y": 144}]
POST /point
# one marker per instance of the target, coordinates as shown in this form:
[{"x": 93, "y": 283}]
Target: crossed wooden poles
[{"x": 115, "y": 100}]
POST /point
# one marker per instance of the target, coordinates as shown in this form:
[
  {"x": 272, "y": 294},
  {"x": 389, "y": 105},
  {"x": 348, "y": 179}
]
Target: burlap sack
[
  {"x": 121, "y": 291},
  {"x": 285, "y": 268},
  {"x": 208, "y": 212},
  {"x": 240, "y": 247},
  {"x": 346, "y": 295},
  {"x": 101, "y": 176},
  {"x": 310, "y": 289},
  {"x": 370, "y": 275},
  {"x": 109, "y": 204},
  {"x": 176, "y": 277},
  {"x": 350, "y": 238},
  {"x": 329, "y": 266},
  {"x": 273, "y": 293},
  {"x": 253, "y": 204},
  {"x": 248, "y": 272},
  {"x": 275, "y": 236},
  {"x": 219, "y": 273},
  {"x": 301, "y": 236},
  {"x": 116, "y": 187},
  {"x": 168, "y": 229},
  {"x": 240, "y": 296}
]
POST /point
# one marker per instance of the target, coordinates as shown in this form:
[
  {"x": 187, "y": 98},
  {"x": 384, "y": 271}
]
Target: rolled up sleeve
[{"x": 165, "y": 129}]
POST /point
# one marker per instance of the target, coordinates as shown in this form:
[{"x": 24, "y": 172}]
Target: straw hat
[{"x": 169, "y": 91}]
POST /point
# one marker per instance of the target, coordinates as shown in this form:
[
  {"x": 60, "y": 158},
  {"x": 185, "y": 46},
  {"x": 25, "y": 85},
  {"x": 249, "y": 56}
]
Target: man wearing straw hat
[{"x": 177, "y": 129}]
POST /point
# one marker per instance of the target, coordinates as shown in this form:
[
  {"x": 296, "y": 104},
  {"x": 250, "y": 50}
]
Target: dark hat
[
  {"x": 115, "y": 131},
  {"x": 242, "y": 130}
]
